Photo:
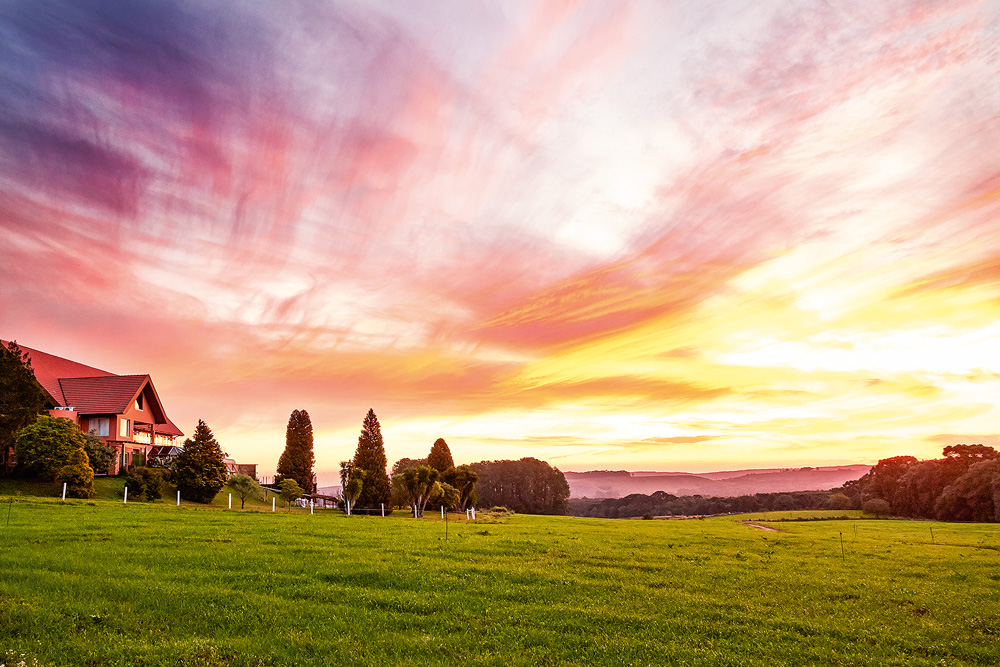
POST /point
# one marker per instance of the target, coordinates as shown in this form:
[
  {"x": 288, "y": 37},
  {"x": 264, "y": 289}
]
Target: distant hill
[{"x": 620, "y": 483}]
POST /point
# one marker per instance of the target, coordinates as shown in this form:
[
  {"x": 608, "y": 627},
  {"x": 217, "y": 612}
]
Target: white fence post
[
  {"x": 64, "y": 491},
  {"x": 383, "y": 510},
  {"x": 310, "y": 506},
  {"x": 473, "y": 513},
  {"x": 125, "y": 501},
  {"x": 442, "y": 511},
  {"x": 230, "y": 501},
  {"x": 272, "y": 503},
  {"x": 178, "y": 497}
]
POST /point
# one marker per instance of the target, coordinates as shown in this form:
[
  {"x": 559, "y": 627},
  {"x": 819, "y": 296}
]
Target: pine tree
[
  {"x": 21, "y": 399},
  {"x": 440, "y": 456},
  {"x": 370, "y": 457},
  {"x": 199, "y": 471},
  {"x": 296, "y": 462}
]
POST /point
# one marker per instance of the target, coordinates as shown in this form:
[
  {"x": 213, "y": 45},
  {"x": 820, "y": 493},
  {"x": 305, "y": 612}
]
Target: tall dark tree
[
  {"x": 297, "y": 461},
  {"x": 440, "y": 456},
  {"x": 21, "y": 400},
  {"x": 370, "y": 457},
  {"x": 199, "y": 471}
]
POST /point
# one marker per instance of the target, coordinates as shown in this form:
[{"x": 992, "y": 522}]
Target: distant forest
[
  {"x": 662, "y": 503},
  {"x": 963, "y": 485}
]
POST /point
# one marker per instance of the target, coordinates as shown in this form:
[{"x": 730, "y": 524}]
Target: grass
[{"x": 102, "y": 583}]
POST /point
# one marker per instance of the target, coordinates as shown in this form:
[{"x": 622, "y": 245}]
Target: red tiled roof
[
  {"x": 91, "y": 390},
  {"x": 101, "y": 395},
  {"x": 49, "y": 369}
]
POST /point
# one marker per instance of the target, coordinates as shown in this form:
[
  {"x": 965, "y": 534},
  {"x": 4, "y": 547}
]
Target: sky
[{"x": 632, "y": 235}]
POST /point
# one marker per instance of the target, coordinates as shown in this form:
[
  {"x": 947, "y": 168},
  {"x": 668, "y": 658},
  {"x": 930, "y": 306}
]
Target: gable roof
[
  {"x": 49, "y": 369},
  {"x": 91, "y": 390},
  {"x": 102, "y": 395}
]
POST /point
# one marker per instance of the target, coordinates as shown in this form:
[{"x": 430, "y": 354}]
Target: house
[{"x": 124, "y": 411}]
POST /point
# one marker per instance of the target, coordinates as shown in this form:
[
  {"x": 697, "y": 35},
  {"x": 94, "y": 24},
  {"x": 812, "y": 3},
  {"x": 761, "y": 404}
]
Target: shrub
[
  {"x": 44, "y": 447},
  {"x": 100, "y": 455},
  {"x": 145, "y": 483},
  {"x": 78, "y": 475}
]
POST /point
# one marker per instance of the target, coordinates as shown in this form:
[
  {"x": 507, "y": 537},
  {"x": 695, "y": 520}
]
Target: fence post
[
  {"x": 64, "y": 491},
  {"x": 310, "y": 506},
  {"x": 383, "y": 510},
  {"x": 442, "y": 511},
  {"x": 178, "y": 497},
  {"x": 272, "y": 503},
  {"x": 230, "y": 501}
]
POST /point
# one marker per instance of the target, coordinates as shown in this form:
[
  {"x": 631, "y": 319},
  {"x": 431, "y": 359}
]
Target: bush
[
  {"x": 100, "y": 455},
  {"x": 78, "y": 476},
  {"x": 145, "y": 483},
  {"x": 46, "y": 446}
]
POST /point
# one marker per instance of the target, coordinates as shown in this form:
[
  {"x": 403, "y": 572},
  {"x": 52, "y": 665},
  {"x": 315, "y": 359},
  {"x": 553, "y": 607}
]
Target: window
[
  {"x": 138, "y": 402},
  {"x": 123, "y": 428},
  {"x": 99, "y": 426}
]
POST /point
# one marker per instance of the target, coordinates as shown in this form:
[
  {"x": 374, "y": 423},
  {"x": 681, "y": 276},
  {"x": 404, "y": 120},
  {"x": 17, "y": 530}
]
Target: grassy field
[{"x": 101, "y": 583}]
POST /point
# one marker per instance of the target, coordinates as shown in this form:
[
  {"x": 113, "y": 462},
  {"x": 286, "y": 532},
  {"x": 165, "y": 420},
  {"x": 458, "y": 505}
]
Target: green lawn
[{"x": 102, "y": 583}]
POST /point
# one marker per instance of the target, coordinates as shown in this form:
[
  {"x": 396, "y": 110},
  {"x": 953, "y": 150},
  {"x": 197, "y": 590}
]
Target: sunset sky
[{"x": 666, "y": 235}]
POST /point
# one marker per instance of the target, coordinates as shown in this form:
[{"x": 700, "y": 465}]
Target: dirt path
[{"x": 760, "y": 527}]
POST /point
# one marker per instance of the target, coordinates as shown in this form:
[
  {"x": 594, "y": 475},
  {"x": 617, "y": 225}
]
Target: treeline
[
  {"x": 662, "y": 503},
  {"x": 528, "y": 485},
  {"x": 964, "y": 485}
]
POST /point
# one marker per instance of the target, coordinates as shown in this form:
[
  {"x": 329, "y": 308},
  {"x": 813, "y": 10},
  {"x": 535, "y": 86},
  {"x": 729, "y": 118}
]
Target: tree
[
  {"x": 47, "y": 445},
  {"x": 463, "y": 478},
  {"x": 839, "y": 501},
  {"x": 78, "y": 475},
  {"x": 100, "y": 455},
  {"x": 370, "y": 457},
  {"x": 199, "y": 471},
  {"x": 290, "y": 491},
  {"x": 882, "y": 481},
  {"x": 528, "y": 485},
  {"x": 440, "y": 456},
  {"x": 975, "y": 496},
  {"x": 876, "y": 506},
  {"x": 419, "y": 485},
  {"x": 245, "y": 486},
  {"x": 444, "y": 495},
  {"x": 352, "y": 480},
  {"x": 297, "y": 460},
  {"x": 21, "y": 400},
  {"x": 404, "y": 463}
]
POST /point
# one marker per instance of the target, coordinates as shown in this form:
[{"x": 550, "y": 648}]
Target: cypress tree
[
  {"x": 21, "y": 399},
  {"x": 440, "y": 456},
  {"x": 296, "y": 462},
  {"x": 370, "y": 457},
  {"x": 199, "y": 471}
]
